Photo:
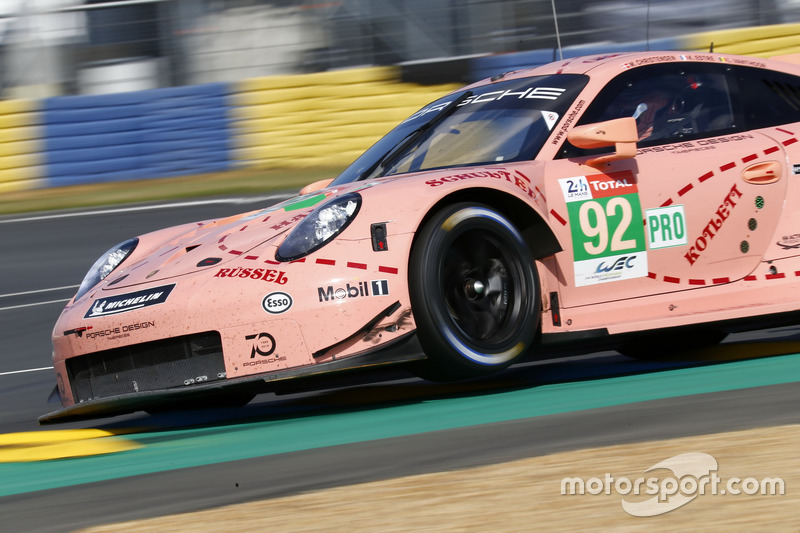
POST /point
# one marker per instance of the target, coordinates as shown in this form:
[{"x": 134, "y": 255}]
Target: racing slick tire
[{"x": 474, "y": 293}]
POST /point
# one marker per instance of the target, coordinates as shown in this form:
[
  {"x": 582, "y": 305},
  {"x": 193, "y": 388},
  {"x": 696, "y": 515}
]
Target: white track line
[
  {"x": 34, "y": 304},
  {"x": 150, "y": 207},
  {"x": 27, "y": 370},
  {"x": 38, "y": 291}
]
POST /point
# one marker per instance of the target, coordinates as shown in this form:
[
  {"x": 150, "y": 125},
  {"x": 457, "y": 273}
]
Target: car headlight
[
  {"x": 106, "y": 265},
  {"x": 319, "y": 227}
]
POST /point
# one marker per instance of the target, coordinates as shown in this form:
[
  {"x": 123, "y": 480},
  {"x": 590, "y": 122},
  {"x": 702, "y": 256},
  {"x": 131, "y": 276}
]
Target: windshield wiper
[{"x": 392, "y": 155}]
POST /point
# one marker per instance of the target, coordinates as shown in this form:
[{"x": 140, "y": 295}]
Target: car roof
[{"x": 609, "y": 65}]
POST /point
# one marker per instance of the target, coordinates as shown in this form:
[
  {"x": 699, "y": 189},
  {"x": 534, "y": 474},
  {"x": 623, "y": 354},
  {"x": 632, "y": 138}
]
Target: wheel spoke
[
  {"x": 470, "y": 323},
  {"x": 473, "y": 260},
  {"x": 489, "y": 325},
  {"x": 498, "y": 292},
  {"x": 477, "y": 323},
  {"x": 456, "y": 264},
  {"x": 481, "y": 250}
]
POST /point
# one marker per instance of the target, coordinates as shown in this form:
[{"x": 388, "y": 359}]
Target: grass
[{"x": 248, "y": 181}]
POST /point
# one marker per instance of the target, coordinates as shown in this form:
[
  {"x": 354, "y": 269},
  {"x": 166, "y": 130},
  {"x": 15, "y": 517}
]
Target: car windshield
[{"x": 502, "y": 121}]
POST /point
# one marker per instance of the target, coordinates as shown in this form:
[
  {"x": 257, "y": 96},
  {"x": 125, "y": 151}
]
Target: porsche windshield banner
[{"x": 605, "y": 216}]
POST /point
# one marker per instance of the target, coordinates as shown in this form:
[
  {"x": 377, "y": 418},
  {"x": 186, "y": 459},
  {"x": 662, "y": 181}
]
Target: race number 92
[
  {"x": 604, "y": 227},
  {"x": 594, "y": 223}
]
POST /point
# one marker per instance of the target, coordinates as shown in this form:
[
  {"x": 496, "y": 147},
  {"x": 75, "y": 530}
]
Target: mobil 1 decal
[{"x": 605, "y": 217}]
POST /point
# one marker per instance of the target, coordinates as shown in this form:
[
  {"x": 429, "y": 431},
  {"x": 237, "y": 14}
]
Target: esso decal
[{"x": 276, "y": 303}]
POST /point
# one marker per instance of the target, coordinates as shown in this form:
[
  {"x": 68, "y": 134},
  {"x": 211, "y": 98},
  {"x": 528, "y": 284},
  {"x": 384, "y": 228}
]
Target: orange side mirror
[
  {"x": 316, "y": 186},
  {"x": 620, "y": 133}
]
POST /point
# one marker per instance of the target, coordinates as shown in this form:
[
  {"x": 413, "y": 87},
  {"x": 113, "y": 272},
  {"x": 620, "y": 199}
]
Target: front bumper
[{"x": 325, "y": 375}]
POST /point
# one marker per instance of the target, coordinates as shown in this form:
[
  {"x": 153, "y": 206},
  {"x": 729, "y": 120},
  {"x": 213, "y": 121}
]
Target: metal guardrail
[{"x": 62, "y": 47}]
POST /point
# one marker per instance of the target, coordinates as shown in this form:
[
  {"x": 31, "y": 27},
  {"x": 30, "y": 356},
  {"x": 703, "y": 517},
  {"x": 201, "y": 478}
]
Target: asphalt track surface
[{"x": 283, "y": 445}]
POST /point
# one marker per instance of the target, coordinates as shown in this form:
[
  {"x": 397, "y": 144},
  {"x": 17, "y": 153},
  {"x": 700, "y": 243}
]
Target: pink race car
[{"x": 615, "y": 198}]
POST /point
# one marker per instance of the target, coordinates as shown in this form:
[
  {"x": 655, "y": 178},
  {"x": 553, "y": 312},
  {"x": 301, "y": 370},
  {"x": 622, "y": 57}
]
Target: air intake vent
[{"x": 158, "y": 365}]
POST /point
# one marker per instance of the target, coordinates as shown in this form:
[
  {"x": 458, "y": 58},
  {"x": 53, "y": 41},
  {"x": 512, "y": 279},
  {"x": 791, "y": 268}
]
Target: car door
[{"x": 697, "y": 206}]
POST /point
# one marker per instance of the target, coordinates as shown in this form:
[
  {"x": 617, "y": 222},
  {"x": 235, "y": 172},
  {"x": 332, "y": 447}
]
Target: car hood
[{"x": 210, "y": 244}]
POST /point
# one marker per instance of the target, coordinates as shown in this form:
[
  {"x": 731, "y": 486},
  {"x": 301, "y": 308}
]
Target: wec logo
[{"x": 621, "y": 263}]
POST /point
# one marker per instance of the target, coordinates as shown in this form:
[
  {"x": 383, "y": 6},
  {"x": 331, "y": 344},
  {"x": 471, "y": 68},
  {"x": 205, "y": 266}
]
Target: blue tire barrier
[{"x": 146, "y": 134}]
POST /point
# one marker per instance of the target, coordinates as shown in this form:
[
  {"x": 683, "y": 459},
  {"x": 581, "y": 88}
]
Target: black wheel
[{"x": 474, "y": 293}]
